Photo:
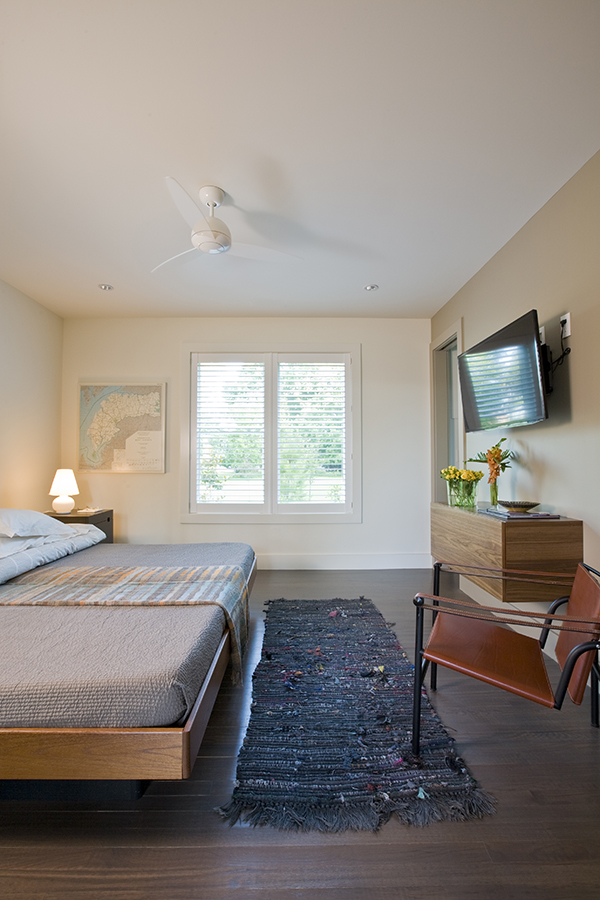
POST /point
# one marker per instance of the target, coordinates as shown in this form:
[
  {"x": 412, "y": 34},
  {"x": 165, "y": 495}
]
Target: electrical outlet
[
  {"x": 542, "y": 334},
  {"x": 565, "y": 325}
]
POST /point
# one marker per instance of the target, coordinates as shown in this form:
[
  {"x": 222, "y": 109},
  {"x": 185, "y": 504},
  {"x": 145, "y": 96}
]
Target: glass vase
[
  {"x": 494, "y": 493},
  {"x": 462, "y": 493}
]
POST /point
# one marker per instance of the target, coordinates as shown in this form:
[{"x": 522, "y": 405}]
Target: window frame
[
  {"x": 350, "y": 512},
  {"x": 440, "y": 407}
]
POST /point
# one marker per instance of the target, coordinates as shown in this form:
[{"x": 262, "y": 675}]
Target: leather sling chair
[{"x": 476, "y": 641}]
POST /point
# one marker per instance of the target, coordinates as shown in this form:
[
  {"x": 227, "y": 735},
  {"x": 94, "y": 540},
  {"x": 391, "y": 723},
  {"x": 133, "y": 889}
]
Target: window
[
  {"x": 447, "y": 427},
  {"x": 274, "y": 435},
  {"x": 453, "y": 407}
]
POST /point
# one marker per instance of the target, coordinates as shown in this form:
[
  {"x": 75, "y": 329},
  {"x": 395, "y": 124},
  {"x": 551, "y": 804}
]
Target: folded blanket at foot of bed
[
  {"x": 223, "y": 586},
  {"x": 104, "y": 646}
]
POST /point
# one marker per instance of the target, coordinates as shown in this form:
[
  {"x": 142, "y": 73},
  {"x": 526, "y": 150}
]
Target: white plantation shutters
[
  {"x": 311, "y": 426},
  {"x": 230, "y": 431},
  {"x": 272, "y": 433}
]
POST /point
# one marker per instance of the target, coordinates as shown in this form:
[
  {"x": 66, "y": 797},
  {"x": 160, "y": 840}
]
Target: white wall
[
  {"x": 552, "y": 265},
  {"x": 395, "y": 380},
  {"x": 30, "y": 400}
]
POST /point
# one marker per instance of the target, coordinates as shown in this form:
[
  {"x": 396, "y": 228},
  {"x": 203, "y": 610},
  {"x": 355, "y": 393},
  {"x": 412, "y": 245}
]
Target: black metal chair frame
[{"x": 550, "y": 622}]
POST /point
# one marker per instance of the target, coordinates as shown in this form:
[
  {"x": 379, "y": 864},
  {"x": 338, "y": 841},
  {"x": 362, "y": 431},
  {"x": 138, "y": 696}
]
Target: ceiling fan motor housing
[{"x": 216, "y": 239}]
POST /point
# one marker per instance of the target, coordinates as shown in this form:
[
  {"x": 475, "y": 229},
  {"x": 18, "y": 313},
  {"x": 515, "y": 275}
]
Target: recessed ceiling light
[
  {"x": 371, "y": 287},
  {"x": 106, "y": 287}
]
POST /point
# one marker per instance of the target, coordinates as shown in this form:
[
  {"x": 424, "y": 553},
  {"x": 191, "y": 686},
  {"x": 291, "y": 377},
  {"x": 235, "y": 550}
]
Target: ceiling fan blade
[
  {"x": 188, "y": 208},
  {"x": 262, "y": 254},
  {"x": 171, "y": 258},
  {"x": 193, "y": 214}
]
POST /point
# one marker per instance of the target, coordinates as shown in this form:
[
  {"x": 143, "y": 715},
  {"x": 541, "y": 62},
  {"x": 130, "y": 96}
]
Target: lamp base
[{"x": 63, "y": 504}]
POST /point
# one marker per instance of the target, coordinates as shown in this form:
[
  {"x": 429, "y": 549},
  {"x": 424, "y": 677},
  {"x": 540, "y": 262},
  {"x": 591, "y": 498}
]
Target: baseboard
[{"x": 343, "y": 561}]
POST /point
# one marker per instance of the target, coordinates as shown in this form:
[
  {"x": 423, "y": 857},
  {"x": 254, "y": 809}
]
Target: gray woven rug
[{"x": 328, "y": 742}]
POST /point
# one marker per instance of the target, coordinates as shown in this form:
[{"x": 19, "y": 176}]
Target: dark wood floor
[{"x": 543, "y": 844}]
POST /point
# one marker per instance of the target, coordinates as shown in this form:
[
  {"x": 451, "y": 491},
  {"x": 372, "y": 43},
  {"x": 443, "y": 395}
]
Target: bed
[{"x": 113, "y": 654}]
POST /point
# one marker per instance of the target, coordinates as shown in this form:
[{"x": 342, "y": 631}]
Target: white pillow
[{"x": 28, "y": 523}]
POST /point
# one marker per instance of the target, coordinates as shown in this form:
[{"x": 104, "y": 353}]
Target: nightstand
[{"x": 101, "y": 518}]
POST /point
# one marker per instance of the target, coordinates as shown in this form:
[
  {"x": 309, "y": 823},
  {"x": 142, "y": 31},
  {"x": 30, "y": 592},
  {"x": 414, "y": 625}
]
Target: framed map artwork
[{"x": 122, "y": 428}]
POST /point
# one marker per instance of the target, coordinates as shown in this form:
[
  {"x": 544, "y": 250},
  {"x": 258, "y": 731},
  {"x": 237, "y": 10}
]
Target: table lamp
[{"x": 63, "y": 485}]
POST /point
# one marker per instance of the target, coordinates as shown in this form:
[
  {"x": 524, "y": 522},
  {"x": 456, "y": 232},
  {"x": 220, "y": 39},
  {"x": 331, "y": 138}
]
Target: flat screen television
[{"x": 502, "y": 379}]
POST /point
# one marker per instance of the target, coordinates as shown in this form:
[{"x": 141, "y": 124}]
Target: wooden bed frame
[{"x": 143, "y": 754}]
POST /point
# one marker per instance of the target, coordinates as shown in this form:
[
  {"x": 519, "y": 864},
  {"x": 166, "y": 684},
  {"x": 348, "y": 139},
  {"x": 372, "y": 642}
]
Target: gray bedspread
[
  {"x": 217, "y": 554},
  {"x": 90, "y": 667},
  {"x": 105, "y": 665}
]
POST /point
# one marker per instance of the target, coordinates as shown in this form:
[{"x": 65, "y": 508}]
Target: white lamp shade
[{"x": 63, "y": 485}]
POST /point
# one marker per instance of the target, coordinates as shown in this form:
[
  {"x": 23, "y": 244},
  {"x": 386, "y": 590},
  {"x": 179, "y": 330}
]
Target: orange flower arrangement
[
  {"x": 493, "y": 460},
  {"x": 498, "y": 461}
]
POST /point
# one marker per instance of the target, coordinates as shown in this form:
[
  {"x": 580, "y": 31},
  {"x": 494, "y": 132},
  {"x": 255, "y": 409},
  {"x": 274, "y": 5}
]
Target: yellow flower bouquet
[{"x": 462, "y": 486}]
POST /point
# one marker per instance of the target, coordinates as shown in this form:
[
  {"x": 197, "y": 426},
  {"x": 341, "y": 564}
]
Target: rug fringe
[{"x": 361, "y": 816}]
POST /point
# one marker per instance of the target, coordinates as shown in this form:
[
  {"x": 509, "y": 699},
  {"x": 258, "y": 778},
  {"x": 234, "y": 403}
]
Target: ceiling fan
[{"x": 209, "y": 234}]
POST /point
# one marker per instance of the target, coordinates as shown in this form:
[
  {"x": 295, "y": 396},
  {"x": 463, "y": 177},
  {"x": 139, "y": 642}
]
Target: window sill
[{"x": 311, "y": 518}]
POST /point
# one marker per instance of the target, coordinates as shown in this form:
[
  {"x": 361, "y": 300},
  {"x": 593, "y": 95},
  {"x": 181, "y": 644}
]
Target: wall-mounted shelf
[{"x": 472, "y": 538}]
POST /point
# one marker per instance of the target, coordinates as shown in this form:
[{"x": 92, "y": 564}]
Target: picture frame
[{"x": 122, "y": 428}]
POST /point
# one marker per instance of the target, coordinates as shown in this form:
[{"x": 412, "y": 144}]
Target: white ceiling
[{"x": 397, "y": 142}]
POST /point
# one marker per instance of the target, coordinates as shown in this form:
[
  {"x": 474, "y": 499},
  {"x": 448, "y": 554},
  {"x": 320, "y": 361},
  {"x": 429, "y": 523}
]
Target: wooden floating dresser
[{"x": 473, "y": 538}]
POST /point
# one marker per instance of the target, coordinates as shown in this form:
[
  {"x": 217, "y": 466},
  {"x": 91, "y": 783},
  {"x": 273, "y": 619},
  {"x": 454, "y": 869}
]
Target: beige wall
[
  {"x": 552, "y": 265},
  {"x": 30, "y": 373},
  {"x": 395, "y": 382}
]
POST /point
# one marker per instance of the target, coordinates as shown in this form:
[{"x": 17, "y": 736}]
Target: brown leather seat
[
  {"x": 469, "y": 639},
  {"x": 502, "y": 657}
]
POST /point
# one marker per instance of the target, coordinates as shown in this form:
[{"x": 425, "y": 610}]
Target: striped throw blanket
[{"x": 223, "y": 586}]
